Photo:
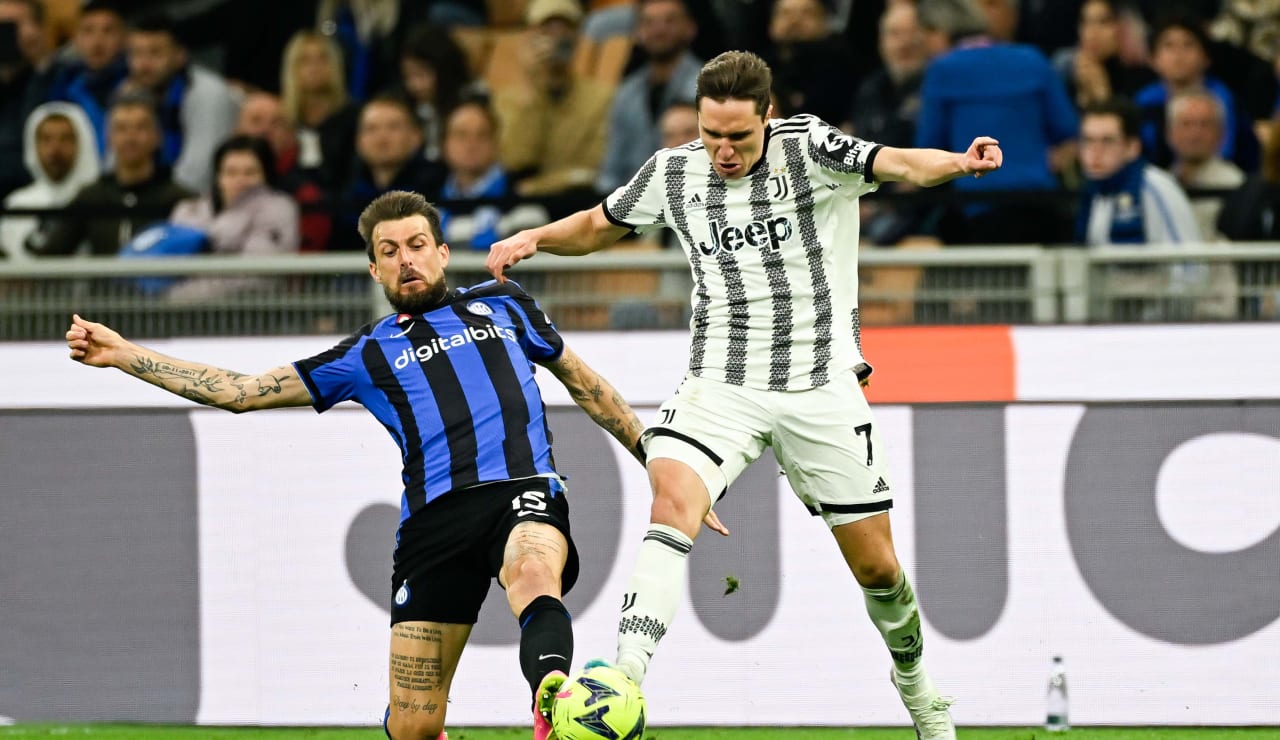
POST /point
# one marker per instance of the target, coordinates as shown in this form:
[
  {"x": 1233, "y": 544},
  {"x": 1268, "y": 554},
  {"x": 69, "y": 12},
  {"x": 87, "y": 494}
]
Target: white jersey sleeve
[
  {"x": 639, "y": 204},
  {"x": 841, "y": 159}
]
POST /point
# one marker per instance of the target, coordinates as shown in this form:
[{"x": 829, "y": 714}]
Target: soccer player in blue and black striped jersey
[{"x": 450, "y": 376}]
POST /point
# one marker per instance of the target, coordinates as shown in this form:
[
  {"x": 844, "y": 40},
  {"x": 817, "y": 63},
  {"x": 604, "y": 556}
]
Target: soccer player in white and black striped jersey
[{"x": 767, "y": 213}]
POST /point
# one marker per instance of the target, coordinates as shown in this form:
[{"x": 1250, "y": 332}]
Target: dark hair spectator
[
  {"x": 136, "y": 189},
  {"x": 242, "y": 214},
  {"x": 1180, "y": 57},
  {"x": 435, "y": 77},
  {"x": 196, "y": 107}
]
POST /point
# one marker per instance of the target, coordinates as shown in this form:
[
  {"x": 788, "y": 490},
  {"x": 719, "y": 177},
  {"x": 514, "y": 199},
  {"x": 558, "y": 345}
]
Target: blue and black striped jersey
[{"x": 453, "y": 386}]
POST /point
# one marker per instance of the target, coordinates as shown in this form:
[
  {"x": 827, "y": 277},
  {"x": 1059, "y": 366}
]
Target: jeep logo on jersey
[
  {"x": 424, "y": 352},
  {"x": 731, "y": 238}
]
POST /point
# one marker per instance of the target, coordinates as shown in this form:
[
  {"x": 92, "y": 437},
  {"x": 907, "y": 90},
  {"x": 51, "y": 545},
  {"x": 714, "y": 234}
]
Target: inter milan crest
[{"x": 480, "y": 308}]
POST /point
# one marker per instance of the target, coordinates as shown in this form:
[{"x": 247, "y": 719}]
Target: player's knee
[
  {"x": 678, "y": 508},
  {"x": 530, "y": 573},
  {"x": 876, "y": 573},
  {"x": 415, "y": 725}
]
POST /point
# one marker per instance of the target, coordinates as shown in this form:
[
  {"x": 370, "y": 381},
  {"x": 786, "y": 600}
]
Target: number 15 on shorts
[{"x": 530, "y": 503}]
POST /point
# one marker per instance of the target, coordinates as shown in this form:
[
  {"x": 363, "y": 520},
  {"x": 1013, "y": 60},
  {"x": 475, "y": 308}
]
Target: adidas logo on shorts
[{"x": 881, "y": 487}]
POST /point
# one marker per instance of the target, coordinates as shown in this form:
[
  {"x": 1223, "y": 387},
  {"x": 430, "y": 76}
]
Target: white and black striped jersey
[{"x": 774, "y": 254}]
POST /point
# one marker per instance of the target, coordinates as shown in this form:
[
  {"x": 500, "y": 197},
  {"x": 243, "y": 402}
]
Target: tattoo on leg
[{"x": 413, "y": 672}]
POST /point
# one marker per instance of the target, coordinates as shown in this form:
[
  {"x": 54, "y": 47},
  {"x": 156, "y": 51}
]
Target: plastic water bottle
[{"x": 1056, "y": 715}]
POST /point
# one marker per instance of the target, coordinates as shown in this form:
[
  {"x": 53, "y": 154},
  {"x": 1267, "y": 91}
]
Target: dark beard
[{"x": 419, "y": 302}]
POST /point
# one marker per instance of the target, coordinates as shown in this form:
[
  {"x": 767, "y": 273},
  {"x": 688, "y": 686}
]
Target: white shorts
[{"x": 824, "y": 438}]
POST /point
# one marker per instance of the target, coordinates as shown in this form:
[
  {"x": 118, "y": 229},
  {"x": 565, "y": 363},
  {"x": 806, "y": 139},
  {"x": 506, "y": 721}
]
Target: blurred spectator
[
  {"x": 92, "y": 78},
  {"x": 679, "y": 124},
  {"x": 885, "y": 111},
  {"x": 1126, "y": 200},
  {"x": 478, "y": 203},
  {"x": 888, "y": 101},
  {"x": 436, "y": 76},
  {"x": 62, "y": 157},
  {"x": 1197, "y": 123},
  {"x": 670, "y": 73},
  {"x": 370, "y": 33},
  {"x": 196, "y": 108},
  {"x": 1009, "y": 91},
  {"x": 1094, "y": 70},
  {"x": 315, "y": 100},
  {"x": 1243, "y": 40},
  {"x": 26, "y": 78},
  {"x": 138, "y": 181},
  {"x": 243, "y": 39},
  {"x": 553, "y": 129},
  {"x": 389, "y": 152},
  {"x": 243, "y": 214},
  {"x": 608, "y": 18},
  {"x": 1252, "y": 212},
  {"x": 810, "y": 64},
  {"x": 1048, "y": 24},
  {"x": 262, "y": 115},
  {"x": 1180, "y": 57}
]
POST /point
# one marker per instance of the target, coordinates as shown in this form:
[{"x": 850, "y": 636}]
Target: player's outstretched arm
[
  {"x": 928, "y": 167},
  {"x": 581, "y": 233},
  {"x": 98, "y": 345},
  {"x": 600, "y": 400}
]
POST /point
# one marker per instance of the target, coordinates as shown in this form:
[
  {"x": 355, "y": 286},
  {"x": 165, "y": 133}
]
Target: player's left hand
[
  {"x": 713, "y": 523},
  {"x": 983, "y": 156},
  {"x": 507, "y": 252}
]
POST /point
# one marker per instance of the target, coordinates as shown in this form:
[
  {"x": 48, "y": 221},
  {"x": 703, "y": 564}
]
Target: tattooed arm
[
  {"x": 99, "y": 346},
  {"x": 602, "y": 403}
]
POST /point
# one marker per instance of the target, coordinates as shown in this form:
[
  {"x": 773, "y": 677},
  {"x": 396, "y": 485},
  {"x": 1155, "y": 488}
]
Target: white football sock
[
  {"x": 654, "y": 592},
  {"x": 894, "y": 612}
]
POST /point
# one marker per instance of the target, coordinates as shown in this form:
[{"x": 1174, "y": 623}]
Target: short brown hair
[
  {"x": 393, "y": 206},
  {"x": 735, "y": 75}
]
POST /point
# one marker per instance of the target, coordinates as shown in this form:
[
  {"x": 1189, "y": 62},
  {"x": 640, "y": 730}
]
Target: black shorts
[{"x": 450, "y": 549}]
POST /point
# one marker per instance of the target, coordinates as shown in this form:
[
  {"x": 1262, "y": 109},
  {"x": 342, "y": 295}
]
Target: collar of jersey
[{"x": 764, "y": 152}]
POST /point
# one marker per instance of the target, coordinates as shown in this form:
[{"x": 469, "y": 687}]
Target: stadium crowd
[{"x": 235, "y": 127}]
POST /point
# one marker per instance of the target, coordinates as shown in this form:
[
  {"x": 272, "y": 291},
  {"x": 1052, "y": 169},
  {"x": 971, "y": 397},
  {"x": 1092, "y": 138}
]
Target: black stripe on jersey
[
  {"x": 779, "y": 288},
  {"x": 735, "y": 361},
  {"x": 455, "y": 414},
  {"x": 623, "y": 206},
  {"x": 304, "y": 367},
  {"x": 506, "y": 385},
  {"x": 674, "y": 179},
  {"x": 384, "y": 378},
  {"x": 802, "y": 186},
  {"x": 791, "y": 127}
]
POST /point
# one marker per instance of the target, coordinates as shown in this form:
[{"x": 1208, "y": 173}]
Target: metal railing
[{"x": 632, "y": 289}]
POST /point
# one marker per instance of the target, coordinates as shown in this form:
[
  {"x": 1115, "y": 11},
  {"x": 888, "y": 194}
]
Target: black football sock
[{"x": 546, "y": 640}]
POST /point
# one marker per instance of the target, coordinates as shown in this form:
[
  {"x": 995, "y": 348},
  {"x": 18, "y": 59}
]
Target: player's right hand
[
  {"x": 507, "y": 252},
  {"x": 93, "y": 344}
]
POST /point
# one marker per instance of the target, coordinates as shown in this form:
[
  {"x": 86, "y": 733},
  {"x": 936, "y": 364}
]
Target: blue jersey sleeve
[
  {"x": 538, "y": 336},
  {"x": 332, "y": 376}
]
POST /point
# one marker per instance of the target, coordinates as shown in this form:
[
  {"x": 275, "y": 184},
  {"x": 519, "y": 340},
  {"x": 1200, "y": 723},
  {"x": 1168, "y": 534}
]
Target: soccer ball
[{"x": 600, "y": 702}]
